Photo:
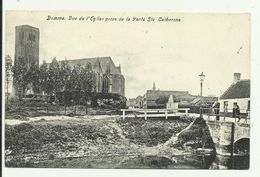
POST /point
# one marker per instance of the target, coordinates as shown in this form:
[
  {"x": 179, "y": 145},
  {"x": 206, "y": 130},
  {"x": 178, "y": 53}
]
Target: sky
[{"x": 171, "y": 54}]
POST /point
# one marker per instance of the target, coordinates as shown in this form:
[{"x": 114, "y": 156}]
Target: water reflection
[
  {"x": 226, "y": 162},
  {"x": 210, "y": 161}
]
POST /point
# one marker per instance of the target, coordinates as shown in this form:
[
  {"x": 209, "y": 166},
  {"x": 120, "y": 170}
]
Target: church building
[{"x": 109, "y": 76}]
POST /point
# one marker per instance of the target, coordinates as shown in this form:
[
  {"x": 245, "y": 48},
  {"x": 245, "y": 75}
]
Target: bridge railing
[
  {"x": 145, "y": 113},
  {"x": 228, "y": 115}
]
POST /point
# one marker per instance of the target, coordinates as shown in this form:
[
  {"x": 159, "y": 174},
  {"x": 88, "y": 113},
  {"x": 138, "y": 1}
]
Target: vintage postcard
[{"x": 127, "y": 90}]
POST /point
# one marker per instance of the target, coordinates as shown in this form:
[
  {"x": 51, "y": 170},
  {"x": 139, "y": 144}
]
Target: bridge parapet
[{"x": 225, "y": 134}]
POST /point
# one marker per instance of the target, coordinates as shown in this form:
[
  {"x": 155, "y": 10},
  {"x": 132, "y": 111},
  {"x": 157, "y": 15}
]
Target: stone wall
[{"x": 221, "y": 133}]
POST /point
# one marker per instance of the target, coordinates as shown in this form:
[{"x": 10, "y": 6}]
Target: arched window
[{"x": 105, "y": 84}]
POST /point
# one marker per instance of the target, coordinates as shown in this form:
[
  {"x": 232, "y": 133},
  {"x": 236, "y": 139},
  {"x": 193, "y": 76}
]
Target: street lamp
[{"x": 202, "y": 77}]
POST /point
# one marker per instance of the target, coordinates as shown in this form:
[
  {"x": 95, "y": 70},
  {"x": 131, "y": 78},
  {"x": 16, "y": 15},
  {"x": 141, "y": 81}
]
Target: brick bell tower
[{"x": 26, "y": 46}]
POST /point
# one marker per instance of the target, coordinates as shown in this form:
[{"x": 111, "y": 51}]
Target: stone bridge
[{"x": 230, "y": 137}]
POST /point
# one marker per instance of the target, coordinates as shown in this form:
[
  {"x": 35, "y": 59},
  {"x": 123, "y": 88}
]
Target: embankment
[{"x": 94, "y": 143}]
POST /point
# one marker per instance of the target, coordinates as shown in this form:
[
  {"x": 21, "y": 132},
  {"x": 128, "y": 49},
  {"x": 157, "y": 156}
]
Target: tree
[
  {"x": 19, "y": 72},
  {"x": 75, "y": 83},
  {"x": 54, "y": 78},
  {"x": 32, "y": 77},
  {"x": 8, "y": 75},
  {"x": 87, "y": 83},
  {"x": 43, "y": 77},
  {"x": 162, "y": 100},
  {"x": 64, "y": 74}
]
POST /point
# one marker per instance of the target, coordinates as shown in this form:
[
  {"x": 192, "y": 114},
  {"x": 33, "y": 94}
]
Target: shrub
[{"x": 51, "y": 157}]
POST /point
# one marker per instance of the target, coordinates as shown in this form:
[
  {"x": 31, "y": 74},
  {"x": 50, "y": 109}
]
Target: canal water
[{"x": 188, "y": 162}]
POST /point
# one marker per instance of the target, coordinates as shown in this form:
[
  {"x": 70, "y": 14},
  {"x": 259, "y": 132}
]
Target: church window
[{"x": 32, "y": 37}]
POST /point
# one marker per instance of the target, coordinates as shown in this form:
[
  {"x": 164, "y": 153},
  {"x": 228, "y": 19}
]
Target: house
[{"x": 239, "y": 93}]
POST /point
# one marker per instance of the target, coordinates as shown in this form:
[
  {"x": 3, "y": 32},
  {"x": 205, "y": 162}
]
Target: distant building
[
  {"x": 109, "y": 77},
  {"x": 134, "y": 102},
  {"x": 207, "y": 101},
  {"x": 138, "y": 102},
  {"x": 238, "y": 92},
  {"x": 130, "y": 103},
  {"x": 26, "y": 46},
  {"x": 158, "y": 98}
]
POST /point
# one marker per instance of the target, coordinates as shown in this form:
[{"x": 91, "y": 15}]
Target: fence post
[
  {"x": 186, "y": 111},
  {"x": 232, "y": 144},
  {"x": 145, "y": 115},
  {"x": 166, "y": 114},
  {"x": 123, "y": 114}
]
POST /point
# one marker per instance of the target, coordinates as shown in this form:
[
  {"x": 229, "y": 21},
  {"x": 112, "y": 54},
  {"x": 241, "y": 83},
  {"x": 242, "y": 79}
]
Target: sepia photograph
[{"x": 127, "y": 90}]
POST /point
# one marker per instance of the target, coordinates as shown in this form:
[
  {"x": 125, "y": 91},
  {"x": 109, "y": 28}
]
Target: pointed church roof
[{"x": 98, "y": 63}]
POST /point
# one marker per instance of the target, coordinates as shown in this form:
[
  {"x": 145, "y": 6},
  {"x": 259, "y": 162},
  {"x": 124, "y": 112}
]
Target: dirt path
[
  {"x": 165, "y": 149},
  {"x": 174, "y": 138}
]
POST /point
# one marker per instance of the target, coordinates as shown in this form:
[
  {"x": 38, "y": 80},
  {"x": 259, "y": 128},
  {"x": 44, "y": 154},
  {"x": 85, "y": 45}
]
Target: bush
[
  {"x": 51, "y": 157},
  {"x": 108, "y": 100}
]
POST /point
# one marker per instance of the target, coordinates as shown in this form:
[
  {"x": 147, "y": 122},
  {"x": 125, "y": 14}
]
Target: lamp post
[{"x": 202, "y": 77}]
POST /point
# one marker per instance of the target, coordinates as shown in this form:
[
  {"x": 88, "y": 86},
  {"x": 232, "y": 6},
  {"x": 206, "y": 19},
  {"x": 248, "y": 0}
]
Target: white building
[{"x": 238, "y": 92}]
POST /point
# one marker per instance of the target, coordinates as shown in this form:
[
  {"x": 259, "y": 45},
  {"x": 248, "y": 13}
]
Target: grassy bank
[
  {"x": 152, "y": 131},
  {"x": 28, "y": 144},
  {"x": 48, "y": 140},
  {"x": 197, "y": 136},
  {"x": 89, "y": 143}
]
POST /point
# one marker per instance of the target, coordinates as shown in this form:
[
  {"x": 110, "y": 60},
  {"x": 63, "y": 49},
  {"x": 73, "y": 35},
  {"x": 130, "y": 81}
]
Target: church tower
[
  {"x": 27, "y": 44},
  {"x": 154, "y": 88},
  {"x": 26, "y": 47}
]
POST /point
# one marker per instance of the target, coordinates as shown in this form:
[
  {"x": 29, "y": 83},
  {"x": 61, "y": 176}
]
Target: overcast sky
[{"x": 172, "y": 54}]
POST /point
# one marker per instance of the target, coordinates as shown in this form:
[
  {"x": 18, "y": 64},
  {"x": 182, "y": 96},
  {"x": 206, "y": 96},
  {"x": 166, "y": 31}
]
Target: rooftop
[
  {"x": 27, "y": 26},
  {"x": 240, "y": 89},
  {"x": 101, "y": 63},
  {"x": 155, "y": 94},
  {"x": 207, "y": 99}
]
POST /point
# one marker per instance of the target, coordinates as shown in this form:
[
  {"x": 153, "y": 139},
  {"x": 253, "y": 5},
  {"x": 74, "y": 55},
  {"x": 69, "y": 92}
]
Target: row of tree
[{"x": 49, "y": 78}]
